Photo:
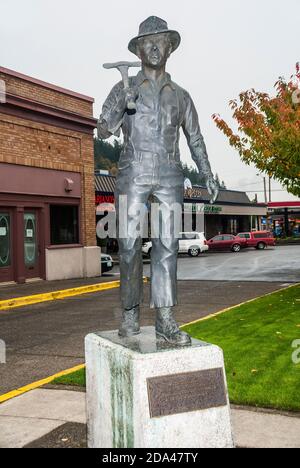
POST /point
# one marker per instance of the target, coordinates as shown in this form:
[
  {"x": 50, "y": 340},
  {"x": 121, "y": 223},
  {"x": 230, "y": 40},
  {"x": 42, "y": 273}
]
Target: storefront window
[
  {"x": 64, "y": 224},
  {"x": 285, "y": 224},
  {"x": 4, "y": 240},
  {"x": 294, "y": 223},
  {"x": 30, "y": 245}
]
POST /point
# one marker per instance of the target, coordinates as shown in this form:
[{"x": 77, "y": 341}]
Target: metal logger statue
[{"x": 151, "y": 109}]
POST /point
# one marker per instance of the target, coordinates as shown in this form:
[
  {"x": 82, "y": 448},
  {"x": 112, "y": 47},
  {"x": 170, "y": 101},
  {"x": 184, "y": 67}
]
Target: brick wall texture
[{"x": 29, "y": 143}]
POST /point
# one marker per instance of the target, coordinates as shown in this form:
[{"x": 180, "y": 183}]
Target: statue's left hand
[{"x": 213, "y": 190}]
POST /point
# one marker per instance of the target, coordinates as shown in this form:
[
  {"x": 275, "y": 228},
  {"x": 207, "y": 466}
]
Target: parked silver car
[{"x": 192, "y": 243}]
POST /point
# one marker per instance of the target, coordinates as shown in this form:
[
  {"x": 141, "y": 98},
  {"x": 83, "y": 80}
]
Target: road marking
[
  {"x": 58, "y": 295},
  {"x": 39, "y": 383},
  {"x": 207, "y": 317}
]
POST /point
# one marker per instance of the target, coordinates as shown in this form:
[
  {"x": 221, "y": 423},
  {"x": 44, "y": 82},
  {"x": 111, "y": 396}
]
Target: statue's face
[{"x": 154, "y": 50}]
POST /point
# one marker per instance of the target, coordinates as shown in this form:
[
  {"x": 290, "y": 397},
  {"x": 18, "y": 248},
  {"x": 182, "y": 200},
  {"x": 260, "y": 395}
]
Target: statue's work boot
[
  {"x": 130, "y": 324},
  {"x": 167, "y": 328}
]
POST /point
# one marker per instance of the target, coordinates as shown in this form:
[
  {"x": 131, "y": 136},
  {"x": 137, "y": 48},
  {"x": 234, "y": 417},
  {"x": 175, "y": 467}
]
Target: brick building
[{"x": 47, "y": 208}]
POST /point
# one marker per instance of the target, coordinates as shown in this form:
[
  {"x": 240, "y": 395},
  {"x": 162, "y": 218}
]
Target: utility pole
[
  {"x": 270, "y": 190},
  {"x": 265, "y": 191}
]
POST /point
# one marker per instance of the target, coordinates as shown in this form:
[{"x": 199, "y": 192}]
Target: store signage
[
  {"x": 211, "y": 209},
  {"x": 193, "y": 208},
  {"x": 193, "y": 192},
  {"x": 100, "y": 199},
  {"x": 188, "y": 207},
  {"x": 201, "y": 208}
]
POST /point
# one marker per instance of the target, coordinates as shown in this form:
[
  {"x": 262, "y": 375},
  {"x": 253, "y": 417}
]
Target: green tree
[
  {"x": 107, "y": 155},
  {"x": 269, "y": 131}
]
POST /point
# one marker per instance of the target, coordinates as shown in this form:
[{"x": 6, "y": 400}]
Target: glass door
[
  {"x": 31, "y": 247},
  {"x": 6, "y": 266}
]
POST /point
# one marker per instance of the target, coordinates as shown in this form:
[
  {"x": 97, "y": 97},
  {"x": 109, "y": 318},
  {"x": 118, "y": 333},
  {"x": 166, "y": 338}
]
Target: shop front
[
  {"x": 284, "y": 218},
  {"x": 232, "y": 213},
  {"x": 224, "y": 219},
  {"x": 47, "y": 220},
  {"x": 37, "y": 215}
]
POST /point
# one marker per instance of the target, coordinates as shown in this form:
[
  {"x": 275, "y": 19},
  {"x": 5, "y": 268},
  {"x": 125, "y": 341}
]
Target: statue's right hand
[{"x": 129, "y": 96}]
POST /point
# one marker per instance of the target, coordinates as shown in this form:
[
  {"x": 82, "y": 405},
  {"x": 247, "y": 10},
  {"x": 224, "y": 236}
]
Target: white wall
[{"x": 68, "y": 263}]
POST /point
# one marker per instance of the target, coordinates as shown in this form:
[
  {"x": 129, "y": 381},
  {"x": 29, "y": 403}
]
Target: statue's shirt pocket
[{"x": 172, "y": 116}]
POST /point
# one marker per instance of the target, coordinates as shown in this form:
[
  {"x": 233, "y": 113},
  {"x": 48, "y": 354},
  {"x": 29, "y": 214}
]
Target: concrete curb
[
  {"x": 39, "y": 383},
  {"x": 57, "y": 295}
]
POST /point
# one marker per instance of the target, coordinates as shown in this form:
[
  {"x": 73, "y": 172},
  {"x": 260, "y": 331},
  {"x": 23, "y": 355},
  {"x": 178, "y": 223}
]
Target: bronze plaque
[{"x": 183, "y": 393}]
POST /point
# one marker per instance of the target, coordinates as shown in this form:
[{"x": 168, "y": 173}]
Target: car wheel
[
  {"x": 194, "y": 252},
  {"x": 236, "y": 248},
  {"x": 261, "y": 246}
]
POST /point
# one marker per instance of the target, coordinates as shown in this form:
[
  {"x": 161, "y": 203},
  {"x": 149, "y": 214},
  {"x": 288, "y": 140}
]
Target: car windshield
[{"x": 189, "y": 236}]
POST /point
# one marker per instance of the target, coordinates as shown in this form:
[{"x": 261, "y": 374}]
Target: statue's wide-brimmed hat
[{"x": 151, "y": 26}]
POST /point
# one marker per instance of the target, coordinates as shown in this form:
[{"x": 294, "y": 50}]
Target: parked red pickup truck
[{"x": 260, "y": 240}]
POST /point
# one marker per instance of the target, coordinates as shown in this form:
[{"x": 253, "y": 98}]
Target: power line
[
  {"x": 262, "y": 191},
  {"x": 253, "y": 183}
]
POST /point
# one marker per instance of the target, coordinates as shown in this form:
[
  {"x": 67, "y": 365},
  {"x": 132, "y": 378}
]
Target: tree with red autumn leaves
[{"x": 269, "y": 131}]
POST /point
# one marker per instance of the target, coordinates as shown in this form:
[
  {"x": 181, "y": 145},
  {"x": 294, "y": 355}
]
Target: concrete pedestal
[{"x": 145, "y": 393}]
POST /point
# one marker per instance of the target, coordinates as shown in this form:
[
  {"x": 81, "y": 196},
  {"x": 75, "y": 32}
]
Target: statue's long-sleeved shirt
[{"x": 161, "y": 110}]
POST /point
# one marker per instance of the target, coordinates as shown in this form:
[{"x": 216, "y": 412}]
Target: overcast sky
[{"x": 227, "y": 46}]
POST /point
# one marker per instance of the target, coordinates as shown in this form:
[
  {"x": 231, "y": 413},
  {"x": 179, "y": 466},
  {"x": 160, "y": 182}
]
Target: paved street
[
  {"x": 274, "y": 264},
  {"x": 47, "y": 338}
]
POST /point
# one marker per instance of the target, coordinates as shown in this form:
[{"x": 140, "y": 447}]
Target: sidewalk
[
  {"x": 46, "y": 418},
  {"x": 9, "y": 291}
]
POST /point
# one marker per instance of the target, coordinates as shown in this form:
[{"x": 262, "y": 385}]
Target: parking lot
[{"x": 271, "y": 265}]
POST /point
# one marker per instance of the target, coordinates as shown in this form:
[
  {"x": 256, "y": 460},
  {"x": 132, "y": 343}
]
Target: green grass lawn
[
  {"x": 76, "y": 379},
  {"x": 257, "y": 341}
]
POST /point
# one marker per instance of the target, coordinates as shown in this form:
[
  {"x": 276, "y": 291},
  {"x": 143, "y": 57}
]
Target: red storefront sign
[{"x": 101, "y": 199}]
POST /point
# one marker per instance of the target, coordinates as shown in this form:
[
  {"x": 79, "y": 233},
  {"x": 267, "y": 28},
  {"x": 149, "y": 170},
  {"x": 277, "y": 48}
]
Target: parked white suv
[{"x": 192, "y": 243}]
